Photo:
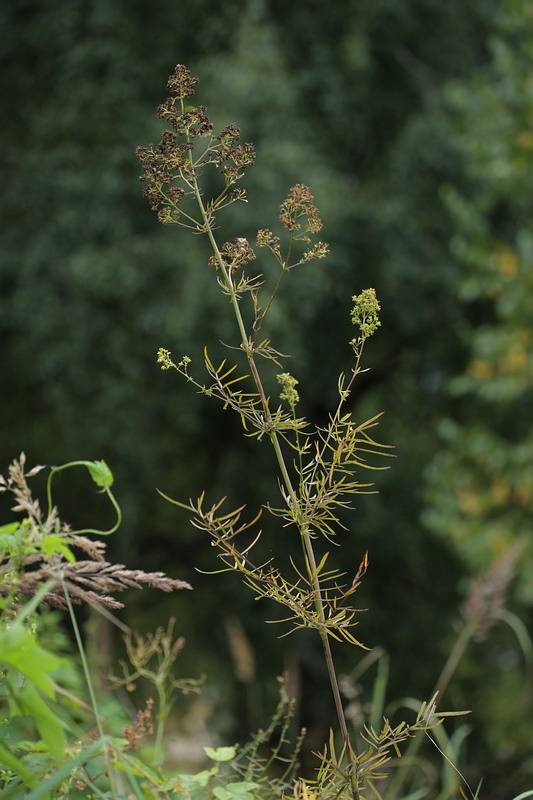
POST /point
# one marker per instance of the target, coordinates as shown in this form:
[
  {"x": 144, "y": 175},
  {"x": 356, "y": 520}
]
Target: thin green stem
[
  {"x": 456, "y": 653},
  {"x": 261, "y": 318},
  {"x": 160, "y": 727},
  {"x": 32, "y": 605},
  {"x": 284, "y": 269},
  {"x": 90, "y": 687},
  {"x": 319, "y": 607},
  {"x": 344, "y": 395},
  {"x": 105, "y": 489}
]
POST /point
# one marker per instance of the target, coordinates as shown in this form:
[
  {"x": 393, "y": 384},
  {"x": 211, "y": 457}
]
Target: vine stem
[
  {"x": 105, "y": 489},
  {"x": 304, "y": 532}
]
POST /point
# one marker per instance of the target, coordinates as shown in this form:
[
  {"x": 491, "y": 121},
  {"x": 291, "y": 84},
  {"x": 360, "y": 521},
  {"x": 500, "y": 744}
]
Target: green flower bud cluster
[
  {"x": 288, "y": 393},
  {"x": 164, "y": 358},
  {"x": 365, "y": 312}
]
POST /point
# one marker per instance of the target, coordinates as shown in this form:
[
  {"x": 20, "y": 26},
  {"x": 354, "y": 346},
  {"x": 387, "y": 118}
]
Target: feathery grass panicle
[{"x": 35, "y": 550}]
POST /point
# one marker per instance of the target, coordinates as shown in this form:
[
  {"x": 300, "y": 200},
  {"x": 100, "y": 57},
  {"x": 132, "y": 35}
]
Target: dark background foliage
[{"x": 411, "y": 122}]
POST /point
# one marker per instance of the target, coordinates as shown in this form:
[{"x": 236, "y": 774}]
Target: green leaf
[
  {"x": 56, "y": 544},
  {"x": 221, "y": 793},
  {"x": 100, "y": 473},
  {"x": 32, "y": 605},
  {"x": 7, "y": 759},
  {"x": 14, "y": 538},
  {"x": 242, "y": 786},
  {"x": 19, "y": 648},
  {"x": 241, "y": 790},
  {"x": 190, "y": 785},
  {"x": 31, "y": 746},
  {"x": 221, "y": 753},
  {"x": 11, "y": 528},
  {"x": 134, "y": 766},
  {"x": 29, "y": 702},
  {"x": 63, "y": 772},
  {"x": 322, "y": 563},
  {"x": 203, "y": 778}
]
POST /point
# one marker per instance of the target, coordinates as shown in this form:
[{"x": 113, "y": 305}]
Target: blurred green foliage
[
  {"x": 480, "y": 487},
  {"x": 412, "y": 124}
]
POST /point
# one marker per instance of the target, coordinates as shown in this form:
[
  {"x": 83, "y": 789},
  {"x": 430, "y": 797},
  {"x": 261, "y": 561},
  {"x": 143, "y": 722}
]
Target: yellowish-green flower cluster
[
  {"x": 163, "y": 358},
  {"x": 365, "y": 312},
  {"x": 288, "y": 393}
]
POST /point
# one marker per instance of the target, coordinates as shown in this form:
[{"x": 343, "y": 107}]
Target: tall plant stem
[
  {"x": 159, "y": 750},
  {"x": 90, "y": 687},
  {"x": 307, "y": 544}
]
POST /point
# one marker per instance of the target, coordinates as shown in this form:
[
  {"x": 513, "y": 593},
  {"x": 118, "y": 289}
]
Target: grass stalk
[
  {"x": 452, "y": 662},
  {"x": 85, "y": 666}
]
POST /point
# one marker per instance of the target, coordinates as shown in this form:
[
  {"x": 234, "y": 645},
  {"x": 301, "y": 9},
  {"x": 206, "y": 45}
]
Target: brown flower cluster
[
  {"x": 181, "y": 83},
  {"x": 297, "y": 210},
  {"x": 141, "y": 727},
  {"x": 173, "y": 160},
  {"x": 318, "y": 250},
  {"x": 160, "y": 167},
  {"x": 192, "y": 121},
  {"x": 234, "y": 254},
  {"x": 92, "y": 582},
  {"x": 237, "y": 160},
  {"x": 265, "y": 238}
]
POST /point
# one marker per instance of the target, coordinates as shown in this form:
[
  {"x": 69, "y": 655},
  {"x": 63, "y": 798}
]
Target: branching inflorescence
[{"x": 318, "y": 467}]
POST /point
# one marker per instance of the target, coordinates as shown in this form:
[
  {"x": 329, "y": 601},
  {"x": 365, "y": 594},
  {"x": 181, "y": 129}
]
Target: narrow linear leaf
[
  {"x": 64, "y": 771},
  {"x": 29, "y": 702},
  {"x": 8, "y": 759}
]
